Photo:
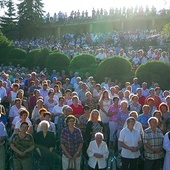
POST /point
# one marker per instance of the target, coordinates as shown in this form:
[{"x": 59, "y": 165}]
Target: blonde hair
[{"x": 92, "y": 113}]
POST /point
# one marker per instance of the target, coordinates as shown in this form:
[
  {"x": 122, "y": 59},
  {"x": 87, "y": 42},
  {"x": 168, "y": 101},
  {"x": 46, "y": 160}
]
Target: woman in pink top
[{"x": 113, "y": 111}]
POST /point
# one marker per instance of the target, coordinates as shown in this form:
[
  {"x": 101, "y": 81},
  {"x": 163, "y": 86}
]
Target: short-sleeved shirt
[
  {"x": 112, "y": 108},
  {"x": 71, "y": 141},
  {"x": 14, "y": 111},
  {"x": 155, "y": 139},
  {"x": 122, "y": 117},
  {"x": 22, "y": 144},
  {"x": 131, "y": 139},
  {"x": 143, "y": 119}
]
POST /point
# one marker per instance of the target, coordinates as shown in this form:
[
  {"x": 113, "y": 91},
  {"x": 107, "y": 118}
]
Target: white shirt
[
  {"x": 131, "y": 139},
  {"x": 57, "y": 110},
  {"x": 102, "y": 149},
  {"x": 14, "y": 111},
  {"x": 137, "y": 126}
]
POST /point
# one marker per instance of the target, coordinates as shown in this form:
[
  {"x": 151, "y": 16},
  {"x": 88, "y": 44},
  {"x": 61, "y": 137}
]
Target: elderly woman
[
  {"x": 98, "y": 153},
  {"x": 22, "y": 144},
  {"x": 45, "y": 143},
  {"x": 130, "y": 141},
  {"x": 153, "y": 150},
  {"x": 71, "y": 143}
]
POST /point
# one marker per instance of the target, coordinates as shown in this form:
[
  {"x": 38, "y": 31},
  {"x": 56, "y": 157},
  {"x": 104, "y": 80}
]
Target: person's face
[
  {"x": 151, "y": 92},
  {"x": 120, "y": 94},
  {"x": 134, "y": 115},
  {"x": 71, "y": 123},
  {"x": 139, "y": 92},
  {"x": 44, "y": 127},
  {"x": 146, "y": 110},
  {"x": 135, "y": 99},
  {"x": 18, "y": 104},
  {"x": 163, "y": 108},
  {"x": 68, "y": 112},
  {"x": 99, "y": 139},
  {"x": 75, "y": 101},
  {"x": 51, "y": 95},
  {"x": 39, "y": 104},
  {"x": 157, "y": 115},
  {"x": 47, "y": 118},
  {"x": 24, "y": 116},
  {"x": 124, "y": 105},
  {"x": 44, "y": 86},
  {"x": 131, "y": 123},
  {"x": 24, "y": 128},
  {"x": 95, "y": 115},
  {"x": 116, "y": 101},
  {"x": 153, "y": 123}
]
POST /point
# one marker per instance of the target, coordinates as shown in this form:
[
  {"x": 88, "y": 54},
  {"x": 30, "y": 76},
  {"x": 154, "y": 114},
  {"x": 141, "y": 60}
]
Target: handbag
[{"x": 72, "y": 165}]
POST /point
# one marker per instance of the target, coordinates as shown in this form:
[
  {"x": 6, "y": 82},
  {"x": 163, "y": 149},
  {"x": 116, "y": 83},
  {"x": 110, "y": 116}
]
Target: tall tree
[
  {"x": 8, "y": 21},
  {"x": 30, "y": 17},
  {"x": 2, "y": 3}
]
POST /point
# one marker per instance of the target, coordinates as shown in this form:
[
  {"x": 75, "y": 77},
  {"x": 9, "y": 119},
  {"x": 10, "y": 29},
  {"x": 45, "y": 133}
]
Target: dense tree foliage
[
  {"x": 8, "y": 21},
  {"x": 30, "y": 17}
]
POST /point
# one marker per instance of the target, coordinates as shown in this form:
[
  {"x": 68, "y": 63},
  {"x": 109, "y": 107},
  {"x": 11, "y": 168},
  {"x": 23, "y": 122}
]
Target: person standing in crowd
[
  {"x": 67, "y": 110},
  {"x": 130, "y": 141},
  {"x": 71, "y": 143},
  {"x": 22, "y": 144},
  {"x": 3, "y": 136},
  {"x": 98, "y": 153},
  {"x": 153, "y": 141},
  {"x": 77, "y": 108},
  {"x": 122, "y": 115},
  {"x": 105, "y": 102},
  {"x": 44, "y": 144},
  {"x": 113, "y": 111},
  {"x": 143, "y": 118},
  {"x": 93, "y": 126},
  {"x": 134, "y": 104},
  {"x": 135, "y": 85}
]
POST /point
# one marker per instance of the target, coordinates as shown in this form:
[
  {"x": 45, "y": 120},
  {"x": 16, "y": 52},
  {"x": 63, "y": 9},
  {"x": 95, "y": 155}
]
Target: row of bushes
[{"x": 115, "y": 68}]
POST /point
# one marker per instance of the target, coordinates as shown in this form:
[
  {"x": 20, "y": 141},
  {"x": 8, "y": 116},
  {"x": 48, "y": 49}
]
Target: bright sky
[{"x": 53, "y": 6}]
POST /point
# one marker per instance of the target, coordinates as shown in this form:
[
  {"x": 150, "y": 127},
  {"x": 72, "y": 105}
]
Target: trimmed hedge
[
  {"x": 57, "y": 61},
  {"x": 154, "y": 71},
  {"x": 117, "y": 68},
  {"x": 83, "y": 63}
]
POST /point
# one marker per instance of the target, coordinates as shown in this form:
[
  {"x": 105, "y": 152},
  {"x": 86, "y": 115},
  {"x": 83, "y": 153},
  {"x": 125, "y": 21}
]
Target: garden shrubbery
[
  {"x": 83, "y": 63},
  {"x": 57, "y": 61},
  {"x": 154, "y": 71},
  {"x": 117, "y": 68}
]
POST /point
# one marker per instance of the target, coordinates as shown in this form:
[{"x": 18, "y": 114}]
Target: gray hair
[
  {"x": 44, "y": 122},
  {"x": 100, "y": 134}
]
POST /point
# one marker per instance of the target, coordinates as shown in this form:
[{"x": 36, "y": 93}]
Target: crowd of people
[
  {"x": 86, "y": 117},
  {"x": 103, "y": 14},
  {"x": 137, "y": 46}
]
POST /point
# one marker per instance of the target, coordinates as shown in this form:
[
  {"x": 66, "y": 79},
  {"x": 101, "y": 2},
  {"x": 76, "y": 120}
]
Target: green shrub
[
  {"x": 5, "y": 46},
  {"x": 117, "y": 68},
  {"x": 57, "y": 61},
  {"x": 31, "y": 58},
  {"x": 154, "y": 71},
  {"x": 83, "y": 63},
  {"x": 16, "y": 56}
]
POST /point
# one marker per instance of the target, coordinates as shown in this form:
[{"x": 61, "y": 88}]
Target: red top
[{"x": 77, "y": 110}]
